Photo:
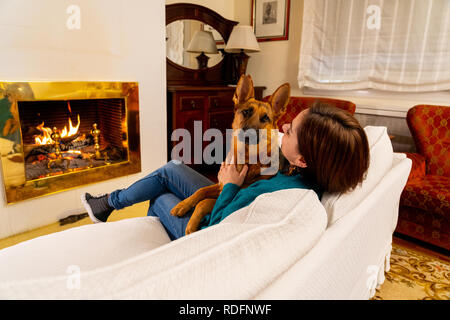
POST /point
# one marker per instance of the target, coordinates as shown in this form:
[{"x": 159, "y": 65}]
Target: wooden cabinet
[
  {"x": 201, "y": 94},
  {"x": 212, "y": 105}
]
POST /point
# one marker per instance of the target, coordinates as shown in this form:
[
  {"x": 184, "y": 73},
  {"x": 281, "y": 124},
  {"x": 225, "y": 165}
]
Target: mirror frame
[{"x": 179, "y": 75}]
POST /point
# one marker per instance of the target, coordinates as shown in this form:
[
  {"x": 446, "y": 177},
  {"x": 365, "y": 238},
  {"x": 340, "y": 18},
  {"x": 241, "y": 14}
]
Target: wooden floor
[{"x": 429, "y": 250}]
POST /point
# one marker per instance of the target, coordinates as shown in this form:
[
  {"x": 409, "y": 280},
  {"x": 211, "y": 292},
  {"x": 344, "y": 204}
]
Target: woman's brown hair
[{"x": 334, "y": 147}]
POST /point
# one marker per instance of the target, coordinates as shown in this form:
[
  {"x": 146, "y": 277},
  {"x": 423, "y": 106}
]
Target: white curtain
[{"x": 393, "y": 45}]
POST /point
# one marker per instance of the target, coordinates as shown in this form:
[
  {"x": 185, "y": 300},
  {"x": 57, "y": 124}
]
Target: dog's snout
[{"x": 248, "y": 135}]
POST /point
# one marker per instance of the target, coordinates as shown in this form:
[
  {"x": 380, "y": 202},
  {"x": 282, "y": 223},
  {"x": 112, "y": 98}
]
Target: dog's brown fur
[{"x": 264, "y": 115}]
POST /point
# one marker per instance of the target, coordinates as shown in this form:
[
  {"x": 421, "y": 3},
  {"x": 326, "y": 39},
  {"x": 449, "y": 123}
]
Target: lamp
[
  {"x": 202, "y": 42},
  {"x": 242, "y": 39}
]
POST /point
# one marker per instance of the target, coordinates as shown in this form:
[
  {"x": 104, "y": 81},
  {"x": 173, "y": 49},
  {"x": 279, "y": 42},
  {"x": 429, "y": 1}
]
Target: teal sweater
[{"x": 233, "y": 197}]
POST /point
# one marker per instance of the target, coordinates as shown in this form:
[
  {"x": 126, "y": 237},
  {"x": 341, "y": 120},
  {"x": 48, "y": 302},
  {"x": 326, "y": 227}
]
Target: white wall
[
  {"x": 277, "y": 62},
  {"x": 118, "y": 41}
]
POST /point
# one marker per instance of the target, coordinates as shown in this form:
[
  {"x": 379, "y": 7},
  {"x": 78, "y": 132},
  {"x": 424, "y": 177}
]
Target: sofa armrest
[{"x": 418, "y": 166}]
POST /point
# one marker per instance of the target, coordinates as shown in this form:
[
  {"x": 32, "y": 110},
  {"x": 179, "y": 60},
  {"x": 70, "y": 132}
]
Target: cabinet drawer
[
  {"x": 221, "y": 101},
  {"x": 191, "y": 103},
  {"x": 186, "y": 120},
  {"x": 221, "y": 121}
]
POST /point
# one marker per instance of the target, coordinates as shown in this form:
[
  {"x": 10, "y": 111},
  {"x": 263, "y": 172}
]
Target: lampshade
[
  {"x": 202, "y": 41},
  {"x": 242, "y": 37}
]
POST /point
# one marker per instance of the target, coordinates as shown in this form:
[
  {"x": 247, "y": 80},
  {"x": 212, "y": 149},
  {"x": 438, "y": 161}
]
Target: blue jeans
[{"x": 165, "y": 188}]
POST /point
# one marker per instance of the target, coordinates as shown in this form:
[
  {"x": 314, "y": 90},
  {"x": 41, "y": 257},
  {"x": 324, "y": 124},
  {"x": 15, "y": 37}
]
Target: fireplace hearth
[{"x": 56, "y": 136}]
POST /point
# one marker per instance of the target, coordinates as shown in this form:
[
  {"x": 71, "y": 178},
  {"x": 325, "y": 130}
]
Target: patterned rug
[{"x": 415, "y": 276}]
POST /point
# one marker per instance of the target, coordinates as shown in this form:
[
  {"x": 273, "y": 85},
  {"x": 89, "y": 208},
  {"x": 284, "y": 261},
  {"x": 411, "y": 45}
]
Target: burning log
[
  {"x": 33, "y": 150},
  {"x": 114, "y": 153},
  {"x": 69, "y": 138},
  {"x": 57, "y": 152}
]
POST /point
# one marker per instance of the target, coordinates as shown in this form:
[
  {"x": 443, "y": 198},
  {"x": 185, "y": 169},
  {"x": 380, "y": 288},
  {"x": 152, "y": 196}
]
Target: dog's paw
[
  {"x": 181, "y": 209},
  {"x": 191, "y": 228}
]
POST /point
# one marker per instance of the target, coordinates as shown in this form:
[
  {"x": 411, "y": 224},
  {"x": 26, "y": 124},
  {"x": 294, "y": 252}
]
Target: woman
[{"x": 326, "y": 148}]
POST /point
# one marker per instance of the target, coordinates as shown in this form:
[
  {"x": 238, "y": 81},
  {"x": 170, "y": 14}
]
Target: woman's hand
[{"x": 229, "y": 174}]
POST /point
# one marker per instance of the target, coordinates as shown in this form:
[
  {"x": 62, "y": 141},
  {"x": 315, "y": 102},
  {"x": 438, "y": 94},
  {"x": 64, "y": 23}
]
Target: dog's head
[{"x": 250, "y": 113}]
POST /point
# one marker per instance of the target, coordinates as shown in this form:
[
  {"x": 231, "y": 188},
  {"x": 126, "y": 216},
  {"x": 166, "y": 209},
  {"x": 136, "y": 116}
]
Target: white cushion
[
  {"x": 86, "y": 247},
  {"x": 381, "y": 156},
  {"x": 234, "y": 259}
]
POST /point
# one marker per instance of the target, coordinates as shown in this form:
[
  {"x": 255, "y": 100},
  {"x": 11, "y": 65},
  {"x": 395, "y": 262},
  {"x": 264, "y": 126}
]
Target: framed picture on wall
[{"x": 270, "y": 19}]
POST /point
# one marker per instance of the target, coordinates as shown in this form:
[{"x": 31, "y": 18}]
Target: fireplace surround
[{"x": 56, "y": 136}]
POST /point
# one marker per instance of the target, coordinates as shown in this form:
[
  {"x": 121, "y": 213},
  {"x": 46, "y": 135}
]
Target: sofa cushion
[
  {"x": 381, "y": 156},
  {"x": 219, "y": 262},
  {"x": 87, "y": 247},
  {"x": 432, "y": 194},
  {"x": 430, "y": 128},
  {"x": 418, "y": 166}
]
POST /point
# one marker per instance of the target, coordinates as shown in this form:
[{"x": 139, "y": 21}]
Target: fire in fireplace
[
  {"x": 60, "y": 135},
  {"x": 53, "y": 144}
]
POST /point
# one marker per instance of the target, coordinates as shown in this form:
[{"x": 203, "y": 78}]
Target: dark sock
[
  {"x": 104, "y": 204},
  {"x": 99, "y": 206}
]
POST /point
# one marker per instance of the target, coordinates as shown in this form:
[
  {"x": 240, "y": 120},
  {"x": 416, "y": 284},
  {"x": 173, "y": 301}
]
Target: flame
[
  {"x": 45, "y": 137},
  {"x": 72, "y": 130}
]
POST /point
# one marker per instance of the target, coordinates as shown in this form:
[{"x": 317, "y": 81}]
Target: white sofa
[{"x": 285, "y": 245}]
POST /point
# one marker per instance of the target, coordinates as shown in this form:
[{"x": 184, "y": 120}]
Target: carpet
[{"x": 415, "y": 275}]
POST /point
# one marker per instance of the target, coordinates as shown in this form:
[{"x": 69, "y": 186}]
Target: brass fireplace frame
[{"x": 17, "y": 188}]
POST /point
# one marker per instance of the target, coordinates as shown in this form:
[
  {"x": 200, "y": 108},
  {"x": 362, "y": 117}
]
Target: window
[{"x": 395, "y": 45}]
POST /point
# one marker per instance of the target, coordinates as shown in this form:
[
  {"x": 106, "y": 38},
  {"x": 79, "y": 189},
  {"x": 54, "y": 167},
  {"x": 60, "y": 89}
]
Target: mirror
[
  {"x": 182, "y": 67},
  {"x": 179, "y": 34}
]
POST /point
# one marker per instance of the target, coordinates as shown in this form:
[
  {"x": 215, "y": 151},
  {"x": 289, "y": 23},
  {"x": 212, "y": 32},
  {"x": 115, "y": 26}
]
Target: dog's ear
[
  {"x": 280, "y": 99},
  {"x": 244, "y": 89}
]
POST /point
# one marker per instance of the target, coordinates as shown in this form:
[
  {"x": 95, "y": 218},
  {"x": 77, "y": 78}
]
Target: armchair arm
[{"x": 418, "y": 166}]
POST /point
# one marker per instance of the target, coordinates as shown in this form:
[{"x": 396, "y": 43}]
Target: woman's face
[{"x": 289, "y": 143}]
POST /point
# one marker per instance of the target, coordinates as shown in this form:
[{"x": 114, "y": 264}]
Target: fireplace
[{"x": 56, "y": 136}]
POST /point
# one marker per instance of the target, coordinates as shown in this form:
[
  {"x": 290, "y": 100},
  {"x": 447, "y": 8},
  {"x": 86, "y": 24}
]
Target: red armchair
[
  {"x": 298, "y": 104},
  {"x": 424, "y": 204}
]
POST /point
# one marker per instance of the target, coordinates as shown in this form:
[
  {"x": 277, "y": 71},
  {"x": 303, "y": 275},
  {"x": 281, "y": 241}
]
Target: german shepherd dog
[{"x": 248, "y": 114}]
